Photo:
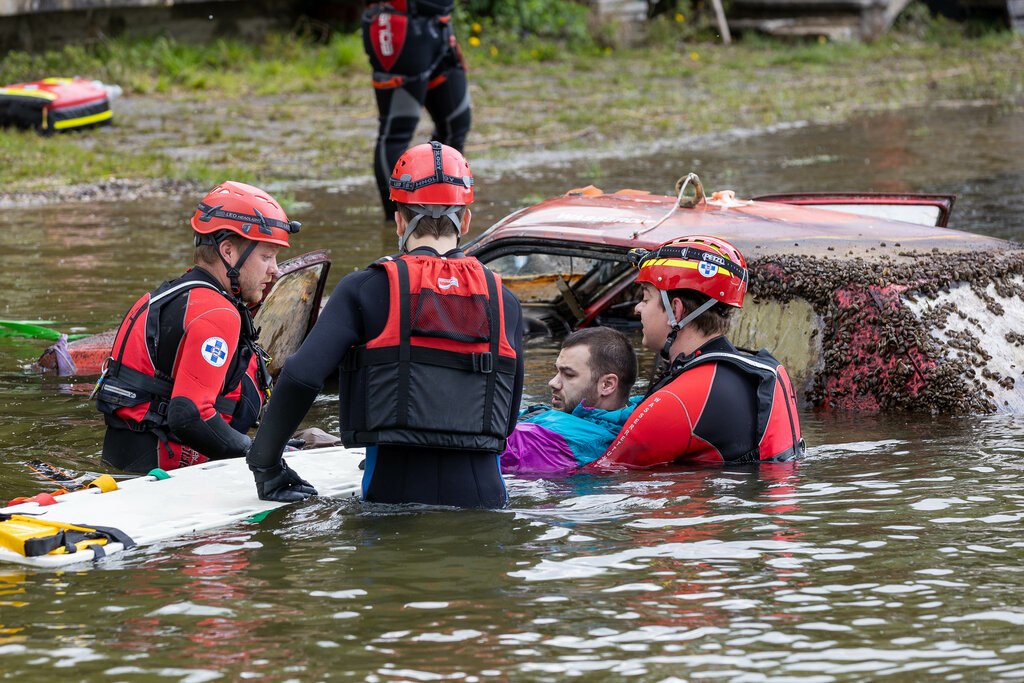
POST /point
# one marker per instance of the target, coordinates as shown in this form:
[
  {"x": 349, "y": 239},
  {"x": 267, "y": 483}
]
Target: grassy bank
[{"x": 292, "y": 110}]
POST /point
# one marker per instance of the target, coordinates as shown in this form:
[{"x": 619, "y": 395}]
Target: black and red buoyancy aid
[
  {"x": 441, "y": 373},
  {"x": 408, "y": 39},
  {"x": 415, "y": 8},
  {"x": 136, "y": 385},
  {"x": 778, "y": 427}
]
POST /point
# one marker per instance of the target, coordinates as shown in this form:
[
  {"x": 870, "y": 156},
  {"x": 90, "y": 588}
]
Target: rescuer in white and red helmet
[
  {"x": 428, "y": 346},
  {"x": 717, "y": 403}
]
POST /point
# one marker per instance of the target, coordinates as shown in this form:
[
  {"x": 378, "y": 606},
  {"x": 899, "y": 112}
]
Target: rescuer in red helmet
[
  {"x": 186, "y": 379},
  {"x": 717, "y": 403},
  {"x": 428, "y": 346}
]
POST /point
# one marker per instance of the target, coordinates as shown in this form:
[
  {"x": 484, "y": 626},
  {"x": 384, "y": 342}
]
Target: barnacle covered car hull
[{"x": 868, "y": 312}]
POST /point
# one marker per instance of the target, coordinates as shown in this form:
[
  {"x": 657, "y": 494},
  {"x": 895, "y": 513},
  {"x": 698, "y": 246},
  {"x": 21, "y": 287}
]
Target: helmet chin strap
[
  {"x": 677, "y": 326},
  {"x": 233, "y": 272},
  {"x": 434, "y": 211}
]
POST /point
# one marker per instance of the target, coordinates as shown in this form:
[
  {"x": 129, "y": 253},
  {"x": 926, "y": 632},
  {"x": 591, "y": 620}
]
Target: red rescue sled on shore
[{"x": 55, "y": 105}]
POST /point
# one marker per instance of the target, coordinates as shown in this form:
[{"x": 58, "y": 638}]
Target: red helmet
[
  {"x": 433, "y": 174},
  {"x": 244, "y": 210},
  {"x": 706, "y": 264}
]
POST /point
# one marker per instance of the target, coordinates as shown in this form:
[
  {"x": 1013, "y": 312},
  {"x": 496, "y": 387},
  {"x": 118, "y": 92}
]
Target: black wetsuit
[
  {"x": 357, "y": 312},
  {"x": 416, "y": 62}
]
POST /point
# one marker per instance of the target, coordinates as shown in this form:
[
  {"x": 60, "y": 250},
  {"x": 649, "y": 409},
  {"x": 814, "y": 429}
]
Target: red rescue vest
[
  {"x": 441, "y": 373},
  {"x": 134, "y": 391},
  {"x": 407, "y": 40}
]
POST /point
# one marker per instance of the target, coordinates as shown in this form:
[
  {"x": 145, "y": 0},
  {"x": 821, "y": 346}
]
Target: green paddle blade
[{"x": 33, "y": 329}]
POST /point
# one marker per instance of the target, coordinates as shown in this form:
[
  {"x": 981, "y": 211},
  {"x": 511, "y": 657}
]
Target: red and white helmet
[
  {"x": 709, "y": 265},
  {"x": 244, "y": 210},
  {"x": 704, "y": 264}
]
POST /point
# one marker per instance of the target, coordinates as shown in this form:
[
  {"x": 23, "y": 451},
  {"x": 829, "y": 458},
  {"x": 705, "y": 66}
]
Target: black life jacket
[
  {"x": 441, "y": 373},
  {"x": 777, "y": 438},
  {"x": 131, "y": 379}
]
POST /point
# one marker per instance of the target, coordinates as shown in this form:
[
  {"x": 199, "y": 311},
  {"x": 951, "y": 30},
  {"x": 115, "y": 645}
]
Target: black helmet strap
[
  {"x": 233, "y": 271},
  {"x": 257, "y": 220}
]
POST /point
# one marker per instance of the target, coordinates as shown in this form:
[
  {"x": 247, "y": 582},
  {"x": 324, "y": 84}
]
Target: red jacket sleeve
[
  {"x": 657, "y": 432},
  {"x": 212, "y": 327},
  {"x": 660, "y": 430}
]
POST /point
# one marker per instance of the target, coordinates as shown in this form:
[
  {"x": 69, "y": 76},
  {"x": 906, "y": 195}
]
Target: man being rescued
[{"x": 594, "y": 373}]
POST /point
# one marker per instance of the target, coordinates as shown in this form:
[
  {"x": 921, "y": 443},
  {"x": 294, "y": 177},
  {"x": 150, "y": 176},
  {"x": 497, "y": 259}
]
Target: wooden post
[
  {"x": 1015, "y": 8},
  {"x": 723, "y": 27}
]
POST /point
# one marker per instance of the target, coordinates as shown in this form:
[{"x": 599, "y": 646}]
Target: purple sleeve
[{"x": 532, "y": 449}]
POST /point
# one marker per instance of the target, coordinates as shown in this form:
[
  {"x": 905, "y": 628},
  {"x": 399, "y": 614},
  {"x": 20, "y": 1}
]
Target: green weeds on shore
[{"x": 290, "y": 108}]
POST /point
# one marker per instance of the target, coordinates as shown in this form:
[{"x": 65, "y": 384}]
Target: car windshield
[{"x": 561, "y": 291}]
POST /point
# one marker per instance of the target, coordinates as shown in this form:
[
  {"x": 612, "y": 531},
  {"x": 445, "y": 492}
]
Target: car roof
[{"x": 631, "y": 219}]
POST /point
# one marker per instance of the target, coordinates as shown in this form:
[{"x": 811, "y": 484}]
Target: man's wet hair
[
  {"x": 610, "y": 354},
  {"x": 714, "y": 321},
  {"x": 428, "y": 226}
]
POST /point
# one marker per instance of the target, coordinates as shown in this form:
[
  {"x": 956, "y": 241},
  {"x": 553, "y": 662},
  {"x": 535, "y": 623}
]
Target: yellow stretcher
[{"x": 30, "y": 536}]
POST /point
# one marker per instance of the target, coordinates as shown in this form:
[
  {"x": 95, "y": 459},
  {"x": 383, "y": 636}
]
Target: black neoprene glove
[{"x": 281, "y": 483}]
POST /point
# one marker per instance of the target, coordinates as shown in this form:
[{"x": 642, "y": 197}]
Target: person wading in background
[{"x": 416, "y": 61}]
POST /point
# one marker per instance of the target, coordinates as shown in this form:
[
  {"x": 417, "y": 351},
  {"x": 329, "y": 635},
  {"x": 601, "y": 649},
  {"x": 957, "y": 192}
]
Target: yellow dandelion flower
[
  {"x": 822, "y": 39},
  {"x": 494, "y": 50},
  {"x": 474, "y": 41},
  {"x": 477, "y": 27},
  {"x": 694, "y": 56},
  {"x": 680, "y": 18}
]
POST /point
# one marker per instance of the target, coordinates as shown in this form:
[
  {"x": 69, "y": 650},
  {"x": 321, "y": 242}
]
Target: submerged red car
[{"x": 868, "y": 299}]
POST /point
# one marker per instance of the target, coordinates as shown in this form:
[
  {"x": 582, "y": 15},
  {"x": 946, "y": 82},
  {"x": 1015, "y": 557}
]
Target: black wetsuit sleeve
[
  {"x": 514, "y": 331},
  {"x": 214, "y": 438},
  {"x": 341, "y": 325},
  {"x": 288, "y": 405}
]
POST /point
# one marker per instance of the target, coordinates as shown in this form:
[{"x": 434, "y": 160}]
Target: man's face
[
  {"x": 574, "y": 382},
  {"x": 259, "y": 269},
  {"x": 653, "y": 318}
]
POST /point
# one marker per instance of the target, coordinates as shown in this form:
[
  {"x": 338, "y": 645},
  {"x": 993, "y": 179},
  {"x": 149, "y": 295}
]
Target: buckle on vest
[
  {"x": 161, "y": 408},
  {"x": 483, "y": 362}
]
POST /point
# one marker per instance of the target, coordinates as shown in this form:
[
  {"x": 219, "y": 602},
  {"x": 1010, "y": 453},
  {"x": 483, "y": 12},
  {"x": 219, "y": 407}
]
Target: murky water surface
[{"x": 892, "y": 550}]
